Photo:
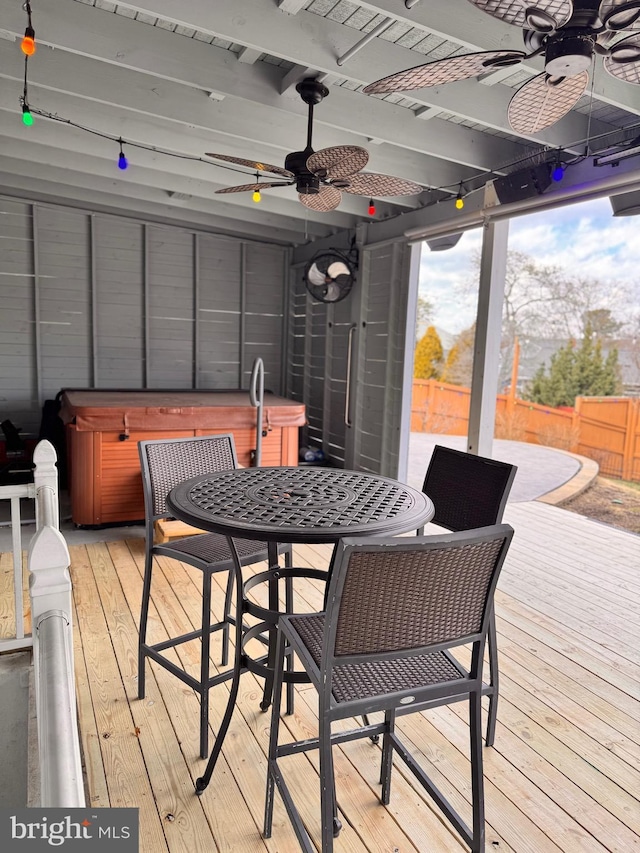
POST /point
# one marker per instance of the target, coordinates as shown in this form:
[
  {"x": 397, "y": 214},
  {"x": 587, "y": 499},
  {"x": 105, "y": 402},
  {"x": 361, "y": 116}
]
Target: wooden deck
[{"x": 564, "y": 774}]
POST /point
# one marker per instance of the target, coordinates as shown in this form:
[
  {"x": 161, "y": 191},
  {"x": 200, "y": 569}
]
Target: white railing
[
  {"x": 14, "y": 494},
  {"x": 60, "y": 766}
]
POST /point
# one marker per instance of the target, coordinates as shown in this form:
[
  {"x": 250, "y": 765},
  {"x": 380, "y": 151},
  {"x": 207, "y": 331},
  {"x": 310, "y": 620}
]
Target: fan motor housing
[
  {"x": 568, "y": 55},
  {"x": 306, "y": 182}
]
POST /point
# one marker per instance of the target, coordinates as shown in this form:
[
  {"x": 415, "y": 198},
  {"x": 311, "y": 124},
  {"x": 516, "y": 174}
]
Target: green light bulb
[{"x": 27, "y": 118}]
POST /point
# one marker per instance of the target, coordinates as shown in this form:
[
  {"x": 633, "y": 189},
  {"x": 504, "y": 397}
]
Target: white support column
[
  {"x": 486, "y": 355},
  {"x": 409, "y": 352}
]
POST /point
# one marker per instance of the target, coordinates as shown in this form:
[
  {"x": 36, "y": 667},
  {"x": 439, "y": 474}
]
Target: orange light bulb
[{"x": 28, "y": 43}]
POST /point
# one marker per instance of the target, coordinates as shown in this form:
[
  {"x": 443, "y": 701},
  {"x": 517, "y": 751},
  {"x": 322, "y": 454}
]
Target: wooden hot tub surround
[{"x": 104, "y": 428}]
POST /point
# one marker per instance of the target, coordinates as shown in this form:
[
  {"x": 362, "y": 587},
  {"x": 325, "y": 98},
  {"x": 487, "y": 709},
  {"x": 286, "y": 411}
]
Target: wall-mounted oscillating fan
[{"x": 329, "y": 276}]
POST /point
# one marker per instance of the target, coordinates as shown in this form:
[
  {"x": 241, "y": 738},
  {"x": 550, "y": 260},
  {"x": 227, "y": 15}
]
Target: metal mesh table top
[{"x": 299, "y": 504}]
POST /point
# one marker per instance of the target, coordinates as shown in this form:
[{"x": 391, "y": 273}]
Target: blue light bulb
[
  {"x": 557, "y": 173},
  {"x": 122, "y": 161}
]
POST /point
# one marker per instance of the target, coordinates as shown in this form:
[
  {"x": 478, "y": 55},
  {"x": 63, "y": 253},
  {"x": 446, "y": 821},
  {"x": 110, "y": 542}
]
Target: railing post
[
  {"x": 46, "y": 474},
  {"x": 61, "y": 782}
]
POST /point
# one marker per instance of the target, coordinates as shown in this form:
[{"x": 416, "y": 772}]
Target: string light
[
  {"x": 27, "y": 118},
  {"x": 557, "y": 170},
  {"x": 28, "y": 43},
  {"x": 257, "y": 197},
  {"x": 122, "y": 160},
  {"x": 28, "y": 113}
]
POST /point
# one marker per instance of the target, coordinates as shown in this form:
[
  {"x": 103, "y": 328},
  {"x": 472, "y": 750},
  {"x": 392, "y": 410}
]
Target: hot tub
[{"x": 104, "y": 428}]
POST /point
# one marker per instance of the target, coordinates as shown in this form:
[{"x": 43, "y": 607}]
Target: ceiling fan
[
  {"x": 567, "y": 34},
  {"x": 320, "y": 177}
]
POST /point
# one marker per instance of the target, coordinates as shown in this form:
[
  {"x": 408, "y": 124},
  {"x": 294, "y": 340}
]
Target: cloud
[{"x": 584, "y": 239}]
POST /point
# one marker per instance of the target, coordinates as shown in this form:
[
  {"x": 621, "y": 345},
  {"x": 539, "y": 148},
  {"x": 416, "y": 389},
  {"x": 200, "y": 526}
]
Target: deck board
[{"x": 564, "y": 774}]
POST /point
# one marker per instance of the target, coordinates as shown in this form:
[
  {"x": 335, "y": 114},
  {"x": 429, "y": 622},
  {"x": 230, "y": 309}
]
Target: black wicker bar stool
[
  {"x": 165, "y": 463},
  {"x": 396, "y": 611},
  {"x": 470, "y": 491}
]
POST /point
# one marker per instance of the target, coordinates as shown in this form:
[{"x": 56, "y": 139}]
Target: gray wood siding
[
  {"x": 264, "y": 312},
  {"x": 380, "y": 359},
  {"x": 318, "y": 355},
  {"x": 219, "y": 312},
  {"x": 119, "y": 288},
  {"x": 97, "y": 301},
  {"x": 171, "y": 318},
  {"x": 18, "y": 392},
  {"x": 315, "y": 352},
  {"x": 63, "y": 247}
]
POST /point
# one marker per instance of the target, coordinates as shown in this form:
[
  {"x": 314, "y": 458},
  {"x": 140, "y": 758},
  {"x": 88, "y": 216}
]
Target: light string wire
[
  {"x": 120, "y": 139},
  {"x": 449, "y": 189}
]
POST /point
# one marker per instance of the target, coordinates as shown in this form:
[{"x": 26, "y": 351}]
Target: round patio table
[{"x": 295, "y": 505}]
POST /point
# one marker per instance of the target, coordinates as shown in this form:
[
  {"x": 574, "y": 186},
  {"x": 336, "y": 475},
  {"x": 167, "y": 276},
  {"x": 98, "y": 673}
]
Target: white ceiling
[{"x": 219, "y": 75}]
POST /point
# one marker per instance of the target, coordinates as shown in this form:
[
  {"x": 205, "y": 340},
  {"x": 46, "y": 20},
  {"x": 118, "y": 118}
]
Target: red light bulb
[
  {"x": 372, "y": 207},
  {"x": 28, "y": 43}
]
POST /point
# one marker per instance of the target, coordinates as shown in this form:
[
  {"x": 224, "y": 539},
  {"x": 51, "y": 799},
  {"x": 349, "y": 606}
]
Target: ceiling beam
[
  {"x": 459, "y": 21},
  {"x": 291, "y": 6},
  {"x": 85, "y": 169},
  {"x": 191, "y": 121},
  {"x": 249, "y": 55},
  {"x": 318, "y": 42},
  {"x": 72, "y": 26},
  {"x": 52, "y": 185},
  {"x": 50, "y": 142}
]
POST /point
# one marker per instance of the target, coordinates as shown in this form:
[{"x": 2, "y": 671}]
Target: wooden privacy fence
[{"x": 605, "y": 429}]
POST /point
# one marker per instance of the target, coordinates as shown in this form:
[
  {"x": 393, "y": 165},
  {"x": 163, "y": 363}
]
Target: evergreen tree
[
  {"x": 576, "y": 372},
  {"x": 428, "y": 356}
]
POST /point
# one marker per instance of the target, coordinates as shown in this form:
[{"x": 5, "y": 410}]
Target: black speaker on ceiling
[{"x": 523, "y": 184}]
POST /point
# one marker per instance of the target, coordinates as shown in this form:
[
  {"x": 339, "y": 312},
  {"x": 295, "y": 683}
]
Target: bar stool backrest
[
  {"x": 467, "y": 491},
  {"x": 436, "y": 591},
  {"x": 167, "y": 462}
]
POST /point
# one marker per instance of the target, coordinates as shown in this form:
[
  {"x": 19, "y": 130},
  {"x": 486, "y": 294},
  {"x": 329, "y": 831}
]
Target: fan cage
[{"x": 330, "y": 256}]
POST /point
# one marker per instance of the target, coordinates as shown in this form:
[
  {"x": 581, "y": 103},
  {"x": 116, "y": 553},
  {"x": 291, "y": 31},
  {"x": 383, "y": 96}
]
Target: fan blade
[
  {"x": 618, "y": 15},
  {"x": 316, "y": 276},
  {"x": 623, "y": 61},
  {"x": 332, "y": 292},
  {"x": 338, "y": 268},
  {"x": 445, "y": 71},
  {"x": 374, "y": 184},
  {"x": 543, "y": 16},
  {"x": 247, "y": 188},
  {"x": 338, "y": 162},
  {"x": 252, "y": 164},
  {"x": 545, "y": 100},
  {"x": 327, "y": 199}
]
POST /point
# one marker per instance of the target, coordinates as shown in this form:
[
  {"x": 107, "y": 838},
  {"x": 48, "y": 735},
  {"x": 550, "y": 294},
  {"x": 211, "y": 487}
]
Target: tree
[
  {"x": 545, "y": 301},
  {"x": 459, "y": 364},
  {"x": 603, "y": 324},
  {"x": 428, "y": 356},
  {"x": 424, "y": 313},
  {"x": 576, "y": 372}
]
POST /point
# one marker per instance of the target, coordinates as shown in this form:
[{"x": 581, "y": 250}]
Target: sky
[{"x": 583, "y": 238}]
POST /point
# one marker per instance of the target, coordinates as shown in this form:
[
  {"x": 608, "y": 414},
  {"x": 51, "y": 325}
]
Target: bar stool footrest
[
  {"x": 258, "y": 666},
  {"x": 264, "y": 613}
]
